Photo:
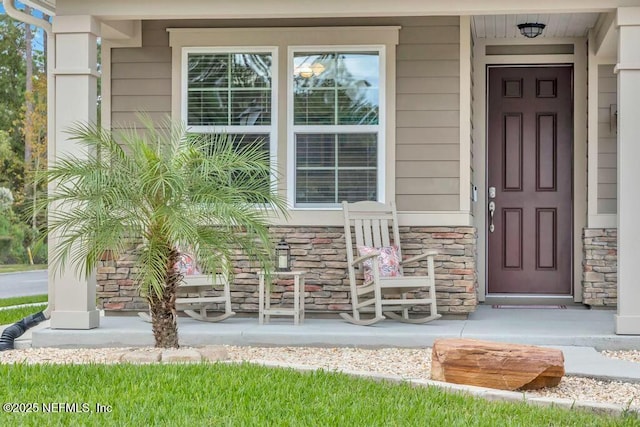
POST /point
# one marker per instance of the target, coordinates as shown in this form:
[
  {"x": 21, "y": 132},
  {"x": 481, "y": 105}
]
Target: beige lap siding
[
  {"x": 428, "y": 115},
  {"x": 427, "y": 146},
  {"x": 321, "y": 252},
  {"x": 607, "y": 143},
  {"x": 600, "y": 279}
]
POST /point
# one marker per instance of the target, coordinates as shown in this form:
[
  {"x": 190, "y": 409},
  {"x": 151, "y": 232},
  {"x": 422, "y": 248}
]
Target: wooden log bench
[
  {"x": 495, "y": 364},
  {"x": 192, "y": 298}
]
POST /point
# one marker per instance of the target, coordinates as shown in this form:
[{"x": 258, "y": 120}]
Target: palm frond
[{"x": 161, "y": 186}]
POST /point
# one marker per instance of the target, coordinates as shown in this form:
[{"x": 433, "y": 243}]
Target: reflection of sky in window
[
  {"x": 363, "y": 67},
  {"x": 352, "y": 69}
]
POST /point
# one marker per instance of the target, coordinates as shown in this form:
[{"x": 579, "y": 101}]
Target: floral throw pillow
[
  {"x": 186, "y": 265},
  {"x": 388, "y": 262}
]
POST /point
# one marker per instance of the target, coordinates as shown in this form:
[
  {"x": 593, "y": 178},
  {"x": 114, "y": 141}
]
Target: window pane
[
  {"x": 250, "y": 108},
  {"x": 206, "y": 108},
  {"x": 315, "y": 150},
  {"x": 208, "y": 70},
  {"x": 357, "y": 185},
  {"x": 314, "y": 107},
  {"x": 229, "y": 89},
  {"x": 250, "y": 70},
  {"x": 360, "y": 66},
  {"x": 315, "y": 186},
  {"x": 323, "y": 158},
  {"x": 358, "y": 105},
  {"x": 336, "y": 88},
  {"x": 358, "y": 150},
  {"x": 313, "y": 70}
]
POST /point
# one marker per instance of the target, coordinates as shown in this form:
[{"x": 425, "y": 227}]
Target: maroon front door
[{"x": 530, "y": 166}]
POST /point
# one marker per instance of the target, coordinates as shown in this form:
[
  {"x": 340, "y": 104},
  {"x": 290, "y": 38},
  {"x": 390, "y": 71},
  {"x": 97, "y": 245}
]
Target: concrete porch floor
[{"x": 574, "y": 326}]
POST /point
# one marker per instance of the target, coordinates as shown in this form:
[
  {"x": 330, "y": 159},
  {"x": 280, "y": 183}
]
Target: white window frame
[
  {"x": 292, "y": 129},
  {"x": 271, "y": 130}
]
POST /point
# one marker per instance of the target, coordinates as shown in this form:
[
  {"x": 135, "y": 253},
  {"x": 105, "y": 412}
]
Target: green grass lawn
[
  {"x": 247, "y": 395},
  {"x": 12, "y": 315},
  {"x": 8, "y": 302},
  {"x": 14, "y": 268}
]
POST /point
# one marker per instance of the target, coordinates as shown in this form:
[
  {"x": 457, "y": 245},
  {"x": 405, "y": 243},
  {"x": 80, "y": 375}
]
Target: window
[
  {"x": 336, "y": 125},
  {"x": 230, "y": 91}
]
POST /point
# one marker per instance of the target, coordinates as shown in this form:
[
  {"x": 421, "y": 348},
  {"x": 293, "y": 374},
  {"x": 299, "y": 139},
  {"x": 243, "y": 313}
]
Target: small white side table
[{"x": 264, "y": 297}]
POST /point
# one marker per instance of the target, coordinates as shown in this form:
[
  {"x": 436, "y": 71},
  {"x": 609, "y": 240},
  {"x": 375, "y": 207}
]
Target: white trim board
[
  {"x": 595, "y": 218},
  {"x": 335, "y": 218},
  {"x": 465, "y": 113}
]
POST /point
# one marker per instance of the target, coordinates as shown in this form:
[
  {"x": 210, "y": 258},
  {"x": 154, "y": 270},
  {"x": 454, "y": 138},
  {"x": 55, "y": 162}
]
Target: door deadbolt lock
[{"x": 492, "y": 192}]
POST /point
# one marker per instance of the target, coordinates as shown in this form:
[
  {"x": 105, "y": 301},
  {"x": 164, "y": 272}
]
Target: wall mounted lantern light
[{"x": 531, "y": 30}]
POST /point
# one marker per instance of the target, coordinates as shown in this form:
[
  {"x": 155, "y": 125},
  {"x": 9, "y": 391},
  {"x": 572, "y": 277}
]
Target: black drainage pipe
[{"x": 17, "y": 329}]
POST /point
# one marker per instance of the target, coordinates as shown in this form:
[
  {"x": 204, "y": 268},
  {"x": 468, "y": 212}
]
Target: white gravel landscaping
[{"x": 407, "y": 363}]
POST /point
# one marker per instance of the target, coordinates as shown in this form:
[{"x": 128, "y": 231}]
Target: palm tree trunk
[{"x": 164, "y": 317}]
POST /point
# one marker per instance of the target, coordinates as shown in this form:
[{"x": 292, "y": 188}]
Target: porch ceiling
[{"x": 557, "y": 25}]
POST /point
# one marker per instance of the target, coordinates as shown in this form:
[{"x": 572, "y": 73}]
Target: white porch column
[
  {"x": 75, "y": 80},
  {"x": 628, "y": 69}
]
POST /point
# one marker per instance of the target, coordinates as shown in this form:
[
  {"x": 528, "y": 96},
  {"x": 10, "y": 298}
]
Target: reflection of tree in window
[
  {"x": 229, "y": 89},
  {"x": 336, "y": 88}
]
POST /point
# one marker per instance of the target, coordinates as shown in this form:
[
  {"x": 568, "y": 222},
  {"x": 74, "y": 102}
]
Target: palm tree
[{"x": 158, "y": 189}]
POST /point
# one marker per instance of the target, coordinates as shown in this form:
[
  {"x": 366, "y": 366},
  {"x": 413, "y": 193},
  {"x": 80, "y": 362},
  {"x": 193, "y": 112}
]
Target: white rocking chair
[
  {"x": 383, "y": 293},
  {"x": 192, "y": 298},
  {"x": 192, "y": 295}
]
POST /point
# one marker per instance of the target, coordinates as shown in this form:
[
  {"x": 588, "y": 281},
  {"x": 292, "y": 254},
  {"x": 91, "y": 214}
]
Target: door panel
[
  {"x": 512, "y": 235},
  {"x": 530, "y": 129}
]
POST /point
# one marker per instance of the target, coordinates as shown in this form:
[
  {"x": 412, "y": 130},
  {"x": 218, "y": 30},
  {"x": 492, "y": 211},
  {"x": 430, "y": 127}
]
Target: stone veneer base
[
  {"x": 600, "y": 267},
  {"x": 321, "y": 252}
]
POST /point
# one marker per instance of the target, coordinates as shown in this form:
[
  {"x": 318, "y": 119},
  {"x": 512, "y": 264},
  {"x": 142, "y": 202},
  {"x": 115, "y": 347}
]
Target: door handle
[{"x": 492, "y": 210}]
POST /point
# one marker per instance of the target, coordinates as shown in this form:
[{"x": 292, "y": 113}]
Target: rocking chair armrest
[
  {"x": 428, "y": 253},
  {"x": 363, "y": 258}
]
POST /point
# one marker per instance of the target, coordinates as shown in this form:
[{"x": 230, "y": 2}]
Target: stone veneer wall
[
  {"x": 600, "y": 266},
  {"x": 321, "y": 252}
]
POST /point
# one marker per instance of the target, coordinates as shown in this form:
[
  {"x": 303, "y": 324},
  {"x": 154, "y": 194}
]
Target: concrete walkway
[{"x": 577, "y": 331}]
